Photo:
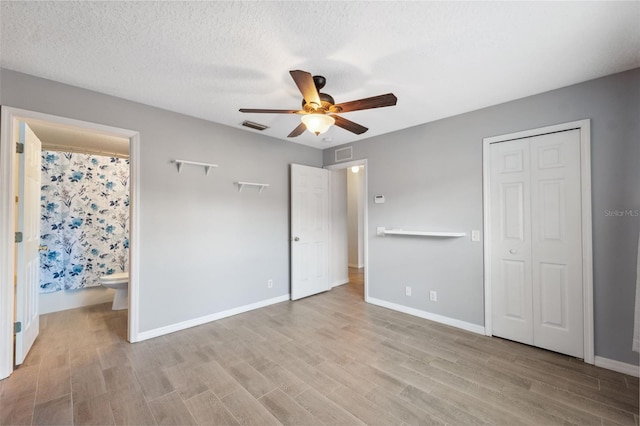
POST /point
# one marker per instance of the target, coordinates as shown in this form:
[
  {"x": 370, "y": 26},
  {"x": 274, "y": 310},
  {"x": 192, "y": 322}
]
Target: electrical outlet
[
  {"x": 407, "y": 291},
  {"x": 475, "y": 235},
  {"x": 270, "y": 284},
  {"x": 433, "y": 296}
]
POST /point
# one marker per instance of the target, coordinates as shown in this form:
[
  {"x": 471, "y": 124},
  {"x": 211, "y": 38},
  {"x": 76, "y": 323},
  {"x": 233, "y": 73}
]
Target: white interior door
[
  {"x": 309, "y": 231},
  {"x": 537, "y": 242},
  {"x": 27, "y": 253}
]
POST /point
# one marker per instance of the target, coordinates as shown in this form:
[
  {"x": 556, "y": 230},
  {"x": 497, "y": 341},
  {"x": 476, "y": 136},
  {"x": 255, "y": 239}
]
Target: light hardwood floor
[{"x": 327, "y": 359}]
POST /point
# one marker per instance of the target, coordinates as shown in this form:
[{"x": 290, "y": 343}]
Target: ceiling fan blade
[
  {"x": 349, "y": 125},
  {"x": 297, "y": 131},
  {"x": 271, "y": 111},
  {"x": 307, "y": 87},
  {"x": 368, "y": 103}
]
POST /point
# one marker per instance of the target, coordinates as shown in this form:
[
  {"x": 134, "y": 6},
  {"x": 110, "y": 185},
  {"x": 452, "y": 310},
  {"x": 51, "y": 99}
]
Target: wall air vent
[
  {"x": 344, "y": 154},
  {"x": 256, "y": 126}
]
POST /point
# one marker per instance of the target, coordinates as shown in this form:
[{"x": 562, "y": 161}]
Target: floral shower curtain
[{"x": 84, "y": 219}]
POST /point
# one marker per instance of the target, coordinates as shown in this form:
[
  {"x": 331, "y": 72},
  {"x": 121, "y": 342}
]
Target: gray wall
[
  {"x": 204, "y": 248},
  {"x": 431, "y": 176}
]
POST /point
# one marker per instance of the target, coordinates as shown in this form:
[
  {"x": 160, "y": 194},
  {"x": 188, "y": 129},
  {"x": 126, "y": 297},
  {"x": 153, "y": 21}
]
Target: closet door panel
[
  {"x": 556, "y": 242},
  {"x": 512, "y": 313}
]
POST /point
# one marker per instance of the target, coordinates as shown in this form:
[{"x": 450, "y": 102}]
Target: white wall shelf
[
  {"x": 382, "y": 231},
  {"x": 243, "y": 184},
  {"x": 207, "y": 166}
]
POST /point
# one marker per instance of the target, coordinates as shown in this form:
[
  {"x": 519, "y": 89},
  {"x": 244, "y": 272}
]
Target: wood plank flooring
[{"x": 328, "y": 359}]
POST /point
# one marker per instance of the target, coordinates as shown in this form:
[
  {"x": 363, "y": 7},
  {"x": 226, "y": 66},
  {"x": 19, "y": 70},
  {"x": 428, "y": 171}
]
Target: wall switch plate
[
  {"x": 433, "y": 296},
  {"x": 475, "y": 235},
  {"x": 270, "y": 284},
  {"x": 407, "y": 291}
]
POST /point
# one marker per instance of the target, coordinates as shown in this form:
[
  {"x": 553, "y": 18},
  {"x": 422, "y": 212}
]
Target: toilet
[{"x": 120, "y": 283}]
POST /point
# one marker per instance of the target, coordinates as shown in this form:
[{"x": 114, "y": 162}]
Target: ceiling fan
[{"x": 319, "y": 110}]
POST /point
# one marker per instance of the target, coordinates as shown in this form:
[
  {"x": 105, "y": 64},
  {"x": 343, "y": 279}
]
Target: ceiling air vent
[
  {"x": 344, "y": 154},
  {"x": 256, "y": 126}
]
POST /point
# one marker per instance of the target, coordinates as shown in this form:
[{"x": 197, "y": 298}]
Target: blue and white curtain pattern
[{"x": 84, "y": 219}]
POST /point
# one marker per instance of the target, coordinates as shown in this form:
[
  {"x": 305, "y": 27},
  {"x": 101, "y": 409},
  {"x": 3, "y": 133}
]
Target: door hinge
[
  {"x": 18, "y": 237},
  {"x": 17, "y": 327},
  {"x": 19, "y": 148}
]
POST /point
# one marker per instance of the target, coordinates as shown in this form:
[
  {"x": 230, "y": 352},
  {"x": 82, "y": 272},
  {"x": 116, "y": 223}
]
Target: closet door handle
[
  {"x": 296, "y": 239},
  {"x": 513, "y": 251}
]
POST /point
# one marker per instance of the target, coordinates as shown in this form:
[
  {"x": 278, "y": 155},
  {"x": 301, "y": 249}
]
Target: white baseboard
[
  {"x": 355, "y": 266},
  {"x": 620, "y": 367},
  {"x": 474, "y": 328},
  {"x": 157, "y": 332},
  {"x": 341, "y": 281}
]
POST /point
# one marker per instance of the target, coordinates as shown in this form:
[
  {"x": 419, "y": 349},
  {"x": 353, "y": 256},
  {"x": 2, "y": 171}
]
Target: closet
[{"x": 536, "y": 241}]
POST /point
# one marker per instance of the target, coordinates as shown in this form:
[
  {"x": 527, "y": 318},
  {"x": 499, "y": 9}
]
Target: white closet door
[
  {"x": 557, "y": 242},
  {"x": 536, "y": 241},
  {"x": 511, "y": 241}
]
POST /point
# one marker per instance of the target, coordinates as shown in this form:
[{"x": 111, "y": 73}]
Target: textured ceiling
[{"x": 207, "y": 59}]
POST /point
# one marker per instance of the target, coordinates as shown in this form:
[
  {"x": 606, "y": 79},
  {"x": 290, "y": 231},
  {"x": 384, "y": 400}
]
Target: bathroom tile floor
[{"x": 327, "y": 359}]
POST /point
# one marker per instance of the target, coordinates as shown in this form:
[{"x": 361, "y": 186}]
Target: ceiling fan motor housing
[{"x": 326, "y": 100}]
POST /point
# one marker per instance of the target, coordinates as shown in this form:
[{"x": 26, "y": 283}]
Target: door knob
[
  {"x": 513, "y": 251},
  {"x": 296, "y": 239}
]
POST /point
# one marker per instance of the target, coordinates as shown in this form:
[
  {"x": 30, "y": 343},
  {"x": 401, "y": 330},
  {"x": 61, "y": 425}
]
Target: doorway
[
  {"x": 537, "y": 223},
  {"x": 349, "y": 224},
  {"x": 11, "y": 119},
  {"x": 84, "y": 218}
]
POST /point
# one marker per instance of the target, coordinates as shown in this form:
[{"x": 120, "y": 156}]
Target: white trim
[
  {"x": 135, "y": 241},
  {"x": 367, "y": 277},
  {"x": 172, "y": 328},
  {"x": 587, "y": 249},
  {"x": 474, "y": 328},
  {"x": 365, "y": 195},
  {"x": 587, "y": 240},
  {"x": 7, "y": 195},
  {"x": 8, "y": 119},
  {"x": 339, "y": 282},
  {"x": 347, "y": 165},
  {"x": 486, "y": 246},
  {"x": 620, "y": 367}
]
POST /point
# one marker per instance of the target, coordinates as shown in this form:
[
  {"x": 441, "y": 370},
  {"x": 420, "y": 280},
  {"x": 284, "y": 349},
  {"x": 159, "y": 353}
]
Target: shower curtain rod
[{"x": 77, "y": 150}]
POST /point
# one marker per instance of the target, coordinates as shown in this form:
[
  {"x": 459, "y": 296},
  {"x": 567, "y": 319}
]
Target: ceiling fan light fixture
[{"x": 318, "y": 123}]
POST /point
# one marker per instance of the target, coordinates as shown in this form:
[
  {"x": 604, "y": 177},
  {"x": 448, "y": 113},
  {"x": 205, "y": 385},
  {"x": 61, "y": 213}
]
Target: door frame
[
  {"x": 9, "y": 118},
  {"x": 365, "y": 213},
  {"x": 587, "y": 243}
]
